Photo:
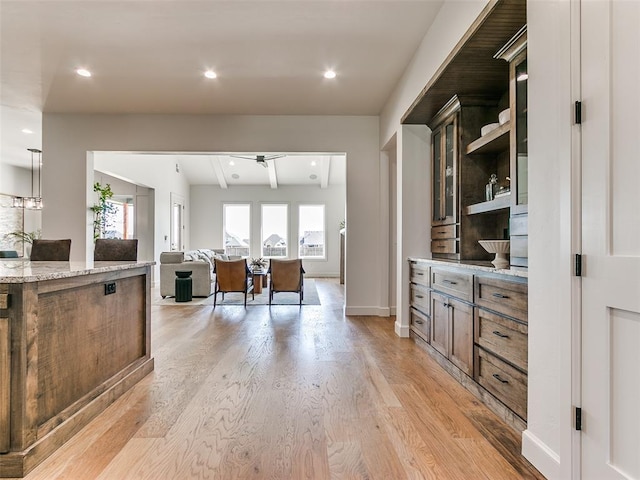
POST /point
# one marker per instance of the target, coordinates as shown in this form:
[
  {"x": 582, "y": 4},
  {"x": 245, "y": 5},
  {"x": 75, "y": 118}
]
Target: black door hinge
[
  {"x": 578, "y": 265},
  {"x": 578, "y": 113},
  {"x": 578, "y": 418}
]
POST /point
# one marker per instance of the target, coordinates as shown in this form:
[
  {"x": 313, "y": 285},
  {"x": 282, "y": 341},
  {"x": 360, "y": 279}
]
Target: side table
[{"x": 184, "y": 286}]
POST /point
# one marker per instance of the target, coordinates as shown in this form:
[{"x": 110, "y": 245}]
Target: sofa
[{"x": 200, "y": 262}]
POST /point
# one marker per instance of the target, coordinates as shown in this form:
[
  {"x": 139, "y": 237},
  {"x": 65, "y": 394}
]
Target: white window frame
[
  {"x": 324, "y": 231},
  {"x": 224, "y": 223},
  {"x": 287, "y": 250}
]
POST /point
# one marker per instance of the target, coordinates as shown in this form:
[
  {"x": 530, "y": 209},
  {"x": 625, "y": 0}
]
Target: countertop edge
[
  {"x": 521, "y": 273},
  {"x": 24, "y": 271}
]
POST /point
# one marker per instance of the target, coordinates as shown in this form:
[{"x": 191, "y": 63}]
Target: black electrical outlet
[{"x": 109, "y": 288}]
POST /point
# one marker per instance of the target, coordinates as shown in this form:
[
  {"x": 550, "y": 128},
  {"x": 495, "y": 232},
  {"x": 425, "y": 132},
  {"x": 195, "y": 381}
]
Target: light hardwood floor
[{"x": 289, "y": 393}]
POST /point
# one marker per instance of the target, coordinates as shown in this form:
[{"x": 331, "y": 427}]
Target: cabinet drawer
[
  {"x": 419, "y": 274},
  {"x": 444, "y": 246},
  {"x": 456, "y": 284},
  {"x": 502, "y": 336},
  {"x": 502, "y": 296},
  {"x": 421, "y": 324},
  {"x": 444, "y": 231},
  {"x": 505, "y": 382},
  {"x": 420, "y": 299}
]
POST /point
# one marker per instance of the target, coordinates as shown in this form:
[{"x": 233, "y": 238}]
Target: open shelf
[
  {"x": 500, "y": 203},
  {"x": 495, "y": 141}
]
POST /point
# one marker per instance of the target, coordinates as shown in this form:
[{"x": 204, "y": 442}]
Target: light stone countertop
[
  {"x": 477, "y": 265},
  {"x": 23, "y": 271}
]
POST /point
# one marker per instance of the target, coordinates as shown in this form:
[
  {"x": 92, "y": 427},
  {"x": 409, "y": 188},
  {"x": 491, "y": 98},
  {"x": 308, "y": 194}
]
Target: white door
[
  {"x": 177, "y": 222},
  {"x": 610, "y": 38}
]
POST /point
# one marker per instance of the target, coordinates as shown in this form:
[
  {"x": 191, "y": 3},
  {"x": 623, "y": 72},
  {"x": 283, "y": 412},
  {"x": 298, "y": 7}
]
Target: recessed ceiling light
[
  {"x": 329, "y": 74},
  {"x": 232, "y": 163},
  {"x": 210, "y": 74},
  {"x": 83, "y": 72},
  {"x": 313, "y": 163},
  {"x": 26, "y": 130},
  {"x": 235, "y": 175}
]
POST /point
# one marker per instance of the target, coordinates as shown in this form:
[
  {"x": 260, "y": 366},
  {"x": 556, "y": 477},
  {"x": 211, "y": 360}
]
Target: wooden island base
[{"x": 72, "y": 341}]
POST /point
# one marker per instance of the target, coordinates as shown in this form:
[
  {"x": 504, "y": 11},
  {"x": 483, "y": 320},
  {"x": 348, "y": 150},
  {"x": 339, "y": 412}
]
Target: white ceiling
[{"x": 149, "y": 57}]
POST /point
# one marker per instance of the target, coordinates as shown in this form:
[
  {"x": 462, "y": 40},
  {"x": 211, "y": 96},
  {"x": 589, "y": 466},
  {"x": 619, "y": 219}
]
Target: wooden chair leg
[{"x": 215, "y": 297}]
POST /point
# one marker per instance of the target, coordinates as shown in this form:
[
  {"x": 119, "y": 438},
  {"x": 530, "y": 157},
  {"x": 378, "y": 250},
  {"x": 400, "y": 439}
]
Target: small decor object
[
  {"x": 488, "y": 128},
  {"x": 504, "y": 116},
  {"x": 184, "y": 286},
  {"x": 258, "y": 264},
  {"x": 500, "y": 248},
  {"x": 491, "y": 187}
]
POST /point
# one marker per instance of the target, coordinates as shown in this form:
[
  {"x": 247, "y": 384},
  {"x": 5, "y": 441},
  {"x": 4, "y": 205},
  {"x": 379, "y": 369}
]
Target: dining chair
[
  {"x": 116, "y": 249},
  {"x": 50, "y": 250},
  {"x": 232, "y": 276},
  {"x": 286, "y": 276}
]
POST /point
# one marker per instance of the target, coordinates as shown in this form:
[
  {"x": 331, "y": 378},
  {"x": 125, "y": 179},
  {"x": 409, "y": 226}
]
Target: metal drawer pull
[
  {"x": 451, "y": 283},
  {"x": 419, "y": 273},
  {"x": 501, "y": 335},
  {"x": 497, "y": 377},
  {"x": 419, "y": 296},
  {"x": 419, "y": 322},
  {"x": 499, "y": 295}
]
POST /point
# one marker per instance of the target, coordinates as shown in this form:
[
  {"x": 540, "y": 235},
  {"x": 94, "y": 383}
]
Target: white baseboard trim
[
  {"x": 540, "y": 455},
  {"x": 392, "y": 310},
  {"x": 402, "y": 330},
  {"x": 367, "y": 311}
]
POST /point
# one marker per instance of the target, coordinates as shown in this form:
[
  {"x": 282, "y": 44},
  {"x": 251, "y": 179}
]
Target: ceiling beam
[
  {"x": 273, "y": 177},
  {"x": 217, "y": 169},
  {"x": 325, "y": 163}
]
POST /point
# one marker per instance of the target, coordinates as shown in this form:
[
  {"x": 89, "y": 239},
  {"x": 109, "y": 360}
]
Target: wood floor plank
[{"x": 289, "y": 393}]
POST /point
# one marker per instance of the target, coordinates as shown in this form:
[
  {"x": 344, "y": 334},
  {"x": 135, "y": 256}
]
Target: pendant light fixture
[{"x": 33, "y": 202}]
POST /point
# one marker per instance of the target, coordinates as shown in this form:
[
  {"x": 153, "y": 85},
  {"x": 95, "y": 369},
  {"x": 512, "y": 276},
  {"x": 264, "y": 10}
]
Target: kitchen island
[{"x": 74, "y": 336}]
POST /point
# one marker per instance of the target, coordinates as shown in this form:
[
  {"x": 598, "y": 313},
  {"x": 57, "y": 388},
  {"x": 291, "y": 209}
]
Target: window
[
  {"x": 236, "y": 228},
  {"x": 274, "y": 230},
  {"x": 119, "y": 223},
  {"x": 311, "y": 231}
]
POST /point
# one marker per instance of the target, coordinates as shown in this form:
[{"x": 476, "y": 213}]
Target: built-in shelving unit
[
  {"x": 495, "y": 141},
  {"x": 500, "y": 203}
]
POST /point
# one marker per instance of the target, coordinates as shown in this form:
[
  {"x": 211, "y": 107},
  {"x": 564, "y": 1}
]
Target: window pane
[
  {"x": 274, "y": 230},
  {"x": 119, "y": 219},
  {"x": 237, "y": 229},
  {"x": 311, "y": 231}
]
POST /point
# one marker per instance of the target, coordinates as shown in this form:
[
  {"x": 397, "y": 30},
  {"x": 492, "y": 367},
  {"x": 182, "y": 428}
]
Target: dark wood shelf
[
  {"x": 501, "y": 203},
  {"x": 495, "y": 141}
]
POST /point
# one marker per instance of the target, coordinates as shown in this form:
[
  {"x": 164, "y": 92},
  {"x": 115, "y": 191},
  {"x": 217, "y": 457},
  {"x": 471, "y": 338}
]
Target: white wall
[
  {"x": 14, "y": 180},
  {"x": 547, "y": 440},
  {"x": 143, "y": 198},
  {"x": 68, "y": 172},
  {"x": 453, "y": 20},
  {"x": 206, "y": 218},
  {"x": 159, "y": 173}
]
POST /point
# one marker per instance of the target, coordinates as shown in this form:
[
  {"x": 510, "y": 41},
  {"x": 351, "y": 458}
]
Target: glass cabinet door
[
  {"x": 449, "y": 171},
  {"x": 437, "y": 176},
  {"x": 521, "y": 166}
]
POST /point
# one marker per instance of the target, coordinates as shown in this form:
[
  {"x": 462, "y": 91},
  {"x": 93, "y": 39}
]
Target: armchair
[
  {"x": 232, "y": 276},
  {"x": 286, "y": 276}
]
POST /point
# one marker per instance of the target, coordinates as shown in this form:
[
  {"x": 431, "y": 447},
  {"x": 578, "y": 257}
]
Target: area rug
[{"x": 282, "y": 298}]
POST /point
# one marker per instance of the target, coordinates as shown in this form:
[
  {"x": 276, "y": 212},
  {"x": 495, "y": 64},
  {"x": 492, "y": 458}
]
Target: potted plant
[
  {"x": 102, "y": 209},
  {"x": 26, "y": 238},
  {"x": 258, "y": 263}
]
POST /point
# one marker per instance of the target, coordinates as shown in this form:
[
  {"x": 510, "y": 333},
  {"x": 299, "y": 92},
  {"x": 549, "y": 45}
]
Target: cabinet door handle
[
  {"x": 501, "y": 380},
  {"x": 419, "y": 322},
  {"x": 499, "y": 334},
  {"x": 445, "y": 304},
  {"x": 451, "y": 283},
  {"x": 419, "y": 273},
  {"x": 419, "y": 296},
  {"x": 499, "y": 295}
]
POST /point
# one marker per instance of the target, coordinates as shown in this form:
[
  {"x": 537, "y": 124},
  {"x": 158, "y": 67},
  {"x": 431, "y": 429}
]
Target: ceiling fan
[{"x": 260, "y": 159}]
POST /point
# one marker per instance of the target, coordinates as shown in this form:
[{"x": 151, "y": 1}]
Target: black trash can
[{"x": 184, "y": 286}]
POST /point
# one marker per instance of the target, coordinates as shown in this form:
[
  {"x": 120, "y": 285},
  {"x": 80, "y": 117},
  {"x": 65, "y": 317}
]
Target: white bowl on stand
[{"x": 500, "y": 248}]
